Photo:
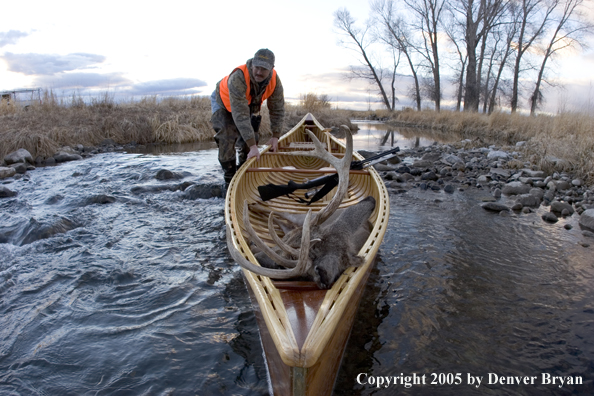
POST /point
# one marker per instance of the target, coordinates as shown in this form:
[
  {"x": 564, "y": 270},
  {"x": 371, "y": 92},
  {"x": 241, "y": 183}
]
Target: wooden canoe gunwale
[{"x": 263, "y": 290}]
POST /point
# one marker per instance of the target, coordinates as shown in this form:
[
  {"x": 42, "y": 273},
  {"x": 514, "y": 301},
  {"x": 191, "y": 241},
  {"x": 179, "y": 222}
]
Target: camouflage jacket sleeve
[
  {"x": 240, "y": 108},
  {"x": 276, "y": 109}
]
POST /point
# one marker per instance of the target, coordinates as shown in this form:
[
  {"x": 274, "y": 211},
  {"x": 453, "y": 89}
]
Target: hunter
[{"x": 236, "y": 104}]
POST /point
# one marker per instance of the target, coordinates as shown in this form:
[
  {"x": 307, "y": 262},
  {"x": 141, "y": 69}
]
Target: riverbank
[
  {"x": 509, "y": 184},
  {"x": 561, "y": 143},
  {"x": 553, "y": 154},
  {"x": 45, "y": 129}
]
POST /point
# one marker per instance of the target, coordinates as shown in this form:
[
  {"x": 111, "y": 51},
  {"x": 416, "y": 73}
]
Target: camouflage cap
[{"x": 264, "y": 58}]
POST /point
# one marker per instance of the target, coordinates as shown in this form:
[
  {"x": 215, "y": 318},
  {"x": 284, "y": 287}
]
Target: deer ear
[{"x": 356, "y": 261}]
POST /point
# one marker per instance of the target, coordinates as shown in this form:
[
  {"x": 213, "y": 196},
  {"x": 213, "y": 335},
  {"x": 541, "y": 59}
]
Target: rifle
[{"x": 270, "y": 191}]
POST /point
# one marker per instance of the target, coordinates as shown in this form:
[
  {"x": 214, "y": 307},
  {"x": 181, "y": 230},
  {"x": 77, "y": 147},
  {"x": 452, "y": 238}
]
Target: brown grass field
[{"x": 564, "y": 142}]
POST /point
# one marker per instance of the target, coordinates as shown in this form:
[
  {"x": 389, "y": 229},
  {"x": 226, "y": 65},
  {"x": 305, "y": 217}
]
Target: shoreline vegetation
[{"x": 561, "y": 143}]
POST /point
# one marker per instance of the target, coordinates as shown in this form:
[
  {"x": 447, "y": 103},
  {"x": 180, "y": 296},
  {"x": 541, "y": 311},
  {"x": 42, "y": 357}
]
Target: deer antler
[
  {"x": 303, "y": 266},
  {"x": 303, "y": 263},
  {"x": 281, "y": 244},
  {"x": 342, "y": 167},
  {"x": 263, "y": 246}
]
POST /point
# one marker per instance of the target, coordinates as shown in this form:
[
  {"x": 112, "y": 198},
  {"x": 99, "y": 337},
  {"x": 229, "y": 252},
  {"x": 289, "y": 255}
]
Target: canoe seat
[{"x": 304, "y": 145}]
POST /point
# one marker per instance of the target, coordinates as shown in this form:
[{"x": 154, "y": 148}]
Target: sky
[{"x": 131, "y": 49}]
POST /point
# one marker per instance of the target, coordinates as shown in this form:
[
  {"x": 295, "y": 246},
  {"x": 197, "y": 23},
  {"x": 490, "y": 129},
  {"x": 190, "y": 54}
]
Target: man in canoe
[{"x": 236, "y": 104}]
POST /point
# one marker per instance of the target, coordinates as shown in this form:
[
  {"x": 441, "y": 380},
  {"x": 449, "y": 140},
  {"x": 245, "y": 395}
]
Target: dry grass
[{"x": 44, "y": 128}]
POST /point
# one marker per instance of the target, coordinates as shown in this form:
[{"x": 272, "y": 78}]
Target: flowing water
[{"x": 107, "y": 292}]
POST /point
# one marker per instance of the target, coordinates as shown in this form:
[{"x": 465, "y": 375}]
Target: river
[{"x": 138, "y": 296}]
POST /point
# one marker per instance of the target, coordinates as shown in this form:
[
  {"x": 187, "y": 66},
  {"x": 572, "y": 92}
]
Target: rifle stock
[{"x": 271, "y": 191}]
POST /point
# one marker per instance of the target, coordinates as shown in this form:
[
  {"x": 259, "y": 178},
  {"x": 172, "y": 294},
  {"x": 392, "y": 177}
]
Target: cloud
[
  {"x": 92, "y": 82},
  {"x": 11, "y": 37},
  {"x": 82, "y": 80},
  {"x": 49, "y": 64},
  {"x": 173, "y": 86},
  {"x": 342, "y": 87}
]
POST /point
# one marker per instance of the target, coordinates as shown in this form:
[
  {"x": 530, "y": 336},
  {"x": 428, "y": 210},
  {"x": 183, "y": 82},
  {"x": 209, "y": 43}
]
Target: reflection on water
[
  {"x": 377, "y": 136},
  {"x": 461, "y": 290},
  {"x": 140, "y": 295}
]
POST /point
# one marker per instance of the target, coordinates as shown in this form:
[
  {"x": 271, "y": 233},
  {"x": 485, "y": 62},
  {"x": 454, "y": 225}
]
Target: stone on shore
[
  {"x": 497, "y": 154},
  {"x": 429, "y": 176},
  {"x": 383, "y": 167},
  {"x": 21, "y": 155},
  {"x": 504, "y": 173},
  {"x": 515, "y": 188},
  {"x": 559, "y": 207},
  {"x": 528, "y": 200},
  {"x": 6, "y": 171},
  {"x": 19, "y": 167},
  {"x": 533, "y": 173},
  {"x": 423, "y": 164},
  {"x": 587, "y": 220},
  {"x": 63, "y": 156}
]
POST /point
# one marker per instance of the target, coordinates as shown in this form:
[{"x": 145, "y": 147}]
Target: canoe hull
[
  {"x": 303, "y": 330},
  {"x": 316, "y": 380}
]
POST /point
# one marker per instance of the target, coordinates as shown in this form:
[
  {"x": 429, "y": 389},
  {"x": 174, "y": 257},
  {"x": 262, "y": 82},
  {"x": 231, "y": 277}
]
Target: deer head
[{"x": 322, "y": 248}]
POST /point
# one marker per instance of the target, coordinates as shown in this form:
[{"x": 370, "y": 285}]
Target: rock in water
[
  {"x": 550, "y": 217},
  {"x": 494, "y": 207},
  {"x": 6, "y": 192}
]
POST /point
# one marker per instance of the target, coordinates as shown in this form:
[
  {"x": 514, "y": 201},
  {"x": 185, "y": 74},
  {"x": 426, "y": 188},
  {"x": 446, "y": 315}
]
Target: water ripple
[{"x": 137, "y": 294}]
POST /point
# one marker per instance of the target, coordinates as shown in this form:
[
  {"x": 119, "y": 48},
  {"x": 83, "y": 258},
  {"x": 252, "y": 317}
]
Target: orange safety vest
[{"x": 224, "y": 87}]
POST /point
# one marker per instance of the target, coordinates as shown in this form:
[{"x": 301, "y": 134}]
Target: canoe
[{"x": 303, "y": 329}]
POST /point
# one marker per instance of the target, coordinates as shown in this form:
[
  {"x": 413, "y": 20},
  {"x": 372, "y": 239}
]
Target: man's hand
[
  {"x": 273, "y": 143},
  {"x": 254, "y": 152}
]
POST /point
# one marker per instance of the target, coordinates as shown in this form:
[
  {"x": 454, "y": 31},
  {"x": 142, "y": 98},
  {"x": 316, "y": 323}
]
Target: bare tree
[
  {"x": 534, "y": 17},
  {"x": 453, "y": 33},
  {"x": 494, "y": 11},
  {"x": 476, "y": 18},
  {"x": 358, "y": 41},
  {"x": 566, "y": 34},
  {"x": 396, "y": 35},
  {"x": 428, "y": 14},
  {"x": 485, "y": 87},
  {"x": 509, "y": 33}
]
